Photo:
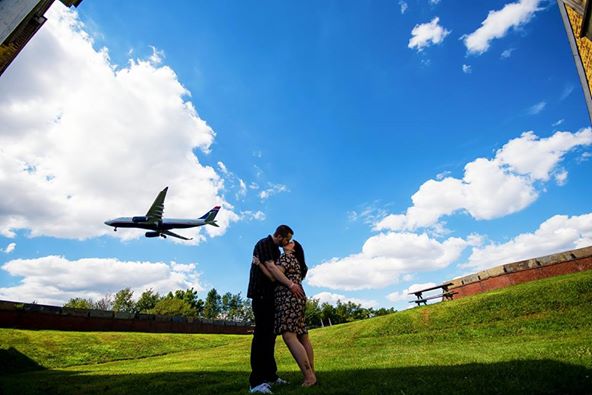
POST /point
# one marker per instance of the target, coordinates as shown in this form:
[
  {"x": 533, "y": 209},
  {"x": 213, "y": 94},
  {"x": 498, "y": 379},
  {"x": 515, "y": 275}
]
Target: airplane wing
[
  {"x": 169, "y": 233},
  {"x": 157, "y": 208}
]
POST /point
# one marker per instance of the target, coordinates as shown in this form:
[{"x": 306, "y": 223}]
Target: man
[{"x": 261, "y": 291}]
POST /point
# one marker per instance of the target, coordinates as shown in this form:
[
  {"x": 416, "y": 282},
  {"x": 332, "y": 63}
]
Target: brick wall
[
  {"x": 523, "y": 271},
  {"x": 34, "y": 316}
]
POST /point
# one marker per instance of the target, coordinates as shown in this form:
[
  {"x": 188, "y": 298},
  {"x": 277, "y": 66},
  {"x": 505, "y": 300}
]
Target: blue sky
[{"x": 405, "y": 142}]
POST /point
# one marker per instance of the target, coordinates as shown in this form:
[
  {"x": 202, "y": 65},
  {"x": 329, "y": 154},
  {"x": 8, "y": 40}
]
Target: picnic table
[{"x": 446, "y": 294}]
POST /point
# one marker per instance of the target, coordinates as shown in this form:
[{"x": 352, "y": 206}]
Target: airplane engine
[
  {"x": 139, "y": 219},
  {"x": 152, "y": 234}
]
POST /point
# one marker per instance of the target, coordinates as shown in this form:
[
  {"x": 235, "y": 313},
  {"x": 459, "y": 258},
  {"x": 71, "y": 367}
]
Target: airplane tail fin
[{"x": 209, "y": 217}]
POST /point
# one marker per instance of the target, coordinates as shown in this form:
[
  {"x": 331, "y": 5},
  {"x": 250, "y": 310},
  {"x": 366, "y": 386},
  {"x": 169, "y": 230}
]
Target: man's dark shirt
[{"x": 261, "y": 287}]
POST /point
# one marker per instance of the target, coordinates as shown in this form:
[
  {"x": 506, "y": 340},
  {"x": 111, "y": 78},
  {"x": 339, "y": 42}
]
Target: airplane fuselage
[
  {"x": 159, "y": 226},
  {"x": 164, "y": 224}
]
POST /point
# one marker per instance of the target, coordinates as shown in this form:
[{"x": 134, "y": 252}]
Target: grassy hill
[{"x": 531, "y": 338}]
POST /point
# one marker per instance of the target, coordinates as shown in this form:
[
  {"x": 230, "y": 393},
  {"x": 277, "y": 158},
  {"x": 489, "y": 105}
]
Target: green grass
[{"x": 531, "y": 338}]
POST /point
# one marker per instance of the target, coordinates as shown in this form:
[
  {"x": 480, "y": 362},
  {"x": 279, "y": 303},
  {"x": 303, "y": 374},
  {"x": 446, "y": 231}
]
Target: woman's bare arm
[{"x": 277, "y": 271}]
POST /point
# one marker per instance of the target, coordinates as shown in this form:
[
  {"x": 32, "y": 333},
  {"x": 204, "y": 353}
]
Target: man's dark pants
[{"x": 263, "y": 367}]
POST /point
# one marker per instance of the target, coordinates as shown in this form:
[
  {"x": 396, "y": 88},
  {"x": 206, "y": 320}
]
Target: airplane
[{"x": 159, "y": 226}]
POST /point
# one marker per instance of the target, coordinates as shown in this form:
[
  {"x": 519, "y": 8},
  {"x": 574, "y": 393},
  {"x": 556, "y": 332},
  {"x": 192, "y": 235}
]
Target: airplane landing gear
[
  {"x": 163, "y": 236},
  {"x": 115, "y": 230}
]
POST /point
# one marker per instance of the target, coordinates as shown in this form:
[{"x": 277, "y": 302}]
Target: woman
[{"x": 289, "y": 271}]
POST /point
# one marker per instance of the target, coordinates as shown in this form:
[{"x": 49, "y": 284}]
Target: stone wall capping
[
  {"x": 522, "y": 271},
  {"x": 75, "y": 312},
  {"x": 100, "y": 313},
  {"x": 35, "y": 316},
  {"x": 582, "y": 252}
]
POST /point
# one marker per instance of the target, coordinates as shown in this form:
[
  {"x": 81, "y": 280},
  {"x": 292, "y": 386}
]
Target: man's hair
[{"x": 283, "y": 231}]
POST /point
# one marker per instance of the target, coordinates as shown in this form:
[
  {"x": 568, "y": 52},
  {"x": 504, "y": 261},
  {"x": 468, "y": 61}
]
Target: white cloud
[
  {"x": 434, "y": 2},
  {"x": 487, "y": 191},
  {"x": 403, "y": 6},
  {"x": 475, "y": 239},
  {"x": 398, "y": 296},
  {"x": 558, "y": 233},
  {"x": 384, "y": 259},
  {"x": 368, "y": 214},
  {"x": 561, "y": 177},
  {"x": 427, "y": 34},
  {"x": 567, "y": 90},
  {"x": 537, "y": 157},
  {"x": 9, "y": 248},
  {"x": 491, "y": 188},
  {"x": 442, "y": 175},
  {"x": 559, "y": 122},
  {"x": 466, "y": 68},
  {"x": 54, "y": 279},
  {"x": 273, "y": 190},
  {"x": 157, "y": 56},
  {"x": 83, "y": 141},
  {"x": 331, "y": 298},
  {"x": 253, "y": 215},
  {"x": 404, "y": 296},
  {"x": 233, "y": 183},
  {"x": 506, "y": 54},
  {"x": 537, "y": 108},
  {"x": 222, "y": 167},
  {"x": 498, "y": 23},
  {"x": 242, "y": 192}
]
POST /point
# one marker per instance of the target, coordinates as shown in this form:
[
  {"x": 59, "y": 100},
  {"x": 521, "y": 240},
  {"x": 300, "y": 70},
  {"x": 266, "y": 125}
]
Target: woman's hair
[{"x": 299, "y": 254}]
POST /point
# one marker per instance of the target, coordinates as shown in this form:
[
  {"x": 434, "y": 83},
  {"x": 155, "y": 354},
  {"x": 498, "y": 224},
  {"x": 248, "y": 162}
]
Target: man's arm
[{"x": 261, "y": 267}]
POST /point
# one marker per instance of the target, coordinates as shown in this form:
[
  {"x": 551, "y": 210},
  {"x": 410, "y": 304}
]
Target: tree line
[
  {"x": 228, "y": 306},
  {"x": 187, "y": 303},
  {"x": 323, "y": 314}
]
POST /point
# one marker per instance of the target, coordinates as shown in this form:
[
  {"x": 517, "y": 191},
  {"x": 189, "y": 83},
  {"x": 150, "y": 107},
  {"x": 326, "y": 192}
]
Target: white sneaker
[
  {"x": 278, "y": 381},
  {"x": 261, "y": 389}
]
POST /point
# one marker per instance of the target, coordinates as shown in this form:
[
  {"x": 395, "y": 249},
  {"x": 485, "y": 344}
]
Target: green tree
[
  {"x": 199, "y": 308},
  {"x": 349, "y": 311},
  {"x": 312, "y": 313},
  {"x": 105, "y": 303},
  {"x": 231, "y": 306},
  {"x": 189, "y": 296},
  {"x": 213, "y": 305},
  {"x": 341, "y": 312},
  {"x": 79, "y": 303},
  {"x": 384, "y": 311},
  {"x": 328, "y": 316},
  {"x": 147, "y": 301},
  {"x": 123, "y": 301},
  {"x": 246, "y": 312},
  {"x": 173, "y": 306}
]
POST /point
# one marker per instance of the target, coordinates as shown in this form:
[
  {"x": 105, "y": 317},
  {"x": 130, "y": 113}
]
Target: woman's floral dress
[{"x": 289, "y": 309}]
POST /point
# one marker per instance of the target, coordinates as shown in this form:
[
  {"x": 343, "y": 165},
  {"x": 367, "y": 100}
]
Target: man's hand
[
  {"x": 297, "y": 290},
  {"x": 255, "y": 261}
]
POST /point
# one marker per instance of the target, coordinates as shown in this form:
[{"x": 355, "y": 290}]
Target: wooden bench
[{"x": 446, "y": 294}]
